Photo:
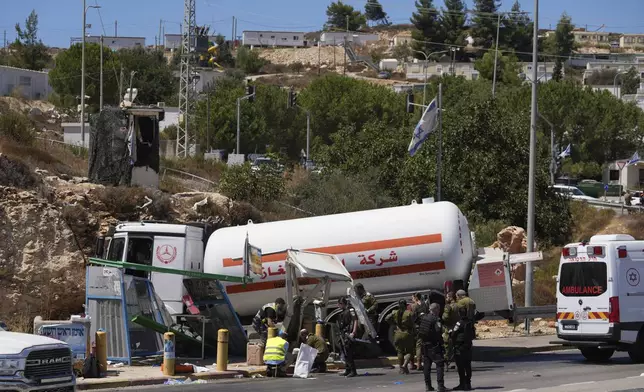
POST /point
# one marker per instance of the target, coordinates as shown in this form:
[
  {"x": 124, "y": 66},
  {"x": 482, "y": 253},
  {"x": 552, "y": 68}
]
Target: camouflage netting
[{"x": 109, "y": 156}]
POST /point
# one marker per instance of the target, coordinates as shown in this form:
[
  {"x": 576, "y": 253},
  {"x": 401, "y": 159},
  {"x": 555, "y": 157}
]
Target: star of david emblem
[
  {"x": 498, "y": 272},
  {"x": 633, "y": 277}
]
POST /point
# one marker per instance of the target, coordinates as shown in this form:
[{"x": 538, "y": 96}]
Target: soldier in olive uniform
[
  {"x": 404, "y": 335},
  {"x": 369, "y": 302},
  {"x": 450, "y": 318},
  {"x": 348, "y": 325},
  {"x": 462, "y": 300},
  {"x": 418, "y": 308},
  {"x": 318, "y": 343}
]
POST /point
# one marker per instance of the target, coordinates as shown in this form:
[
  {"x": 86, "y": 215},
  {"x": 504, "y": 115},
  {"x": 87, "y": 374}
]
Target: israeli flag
[
  {"x": 565, "y": 153},
  {"x": 425, "y": 127},
  {"x": 634, "y": 159}
]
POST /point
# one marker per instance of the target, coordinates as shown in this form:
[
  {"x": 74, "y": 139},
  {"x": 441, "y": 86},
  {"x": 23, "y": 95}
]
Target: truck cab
[
  {"x": 599, "y": 297},
  {"x": 158, "y": 244},
  {"x": 35, "y": 363}
]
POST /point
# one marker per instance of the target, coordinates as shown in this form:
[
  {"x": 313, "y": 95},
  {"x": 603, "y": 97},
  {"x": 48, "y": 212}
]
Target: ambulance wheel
[
  {"x": 636, "y": 351},
  {"x": 594, "y": 354}
]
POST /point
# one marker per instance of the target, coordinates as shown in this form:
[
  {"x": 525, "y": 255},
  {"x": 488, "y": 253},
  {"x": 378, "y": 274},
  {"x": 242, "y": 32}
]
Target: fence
[{"x": 618, "y": 207}]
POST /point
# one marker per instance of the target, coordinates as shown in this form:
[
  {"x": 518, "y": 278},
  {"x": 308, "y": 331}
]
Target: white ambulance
[{"x": 600, "y": 297}]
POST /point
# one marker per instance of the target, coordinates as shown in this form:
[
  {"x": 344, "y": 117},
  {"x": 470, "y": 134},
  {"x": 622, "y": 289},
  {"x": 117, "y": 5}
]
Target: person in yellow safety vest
[
  {"x": 267, "y": 317},
  {"x": 275, "y": 355}
]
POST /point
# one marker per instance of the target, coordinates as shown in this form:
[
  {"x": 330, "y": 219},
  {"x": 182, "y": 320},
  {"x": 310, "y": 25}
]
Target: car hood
[{"x": 14, "y": 342}]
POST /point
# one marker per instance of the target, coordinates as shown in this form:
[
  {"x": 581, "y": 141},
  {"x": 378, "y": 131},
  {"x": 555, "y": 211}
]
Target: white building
[
  {"x": 72, "y": 134},
  {"x": 544, "y": 71},
  {"x": 630, "y": 177},
  {"x": 416, "y": 70},
  {"x": 115, "y": 43},
  {"x": 30, "y": 84},
  {"x": 173, "y": 41},
  {"x": 290, "y": 39},
  {"x": 338, "y": 37},
  {"x": 171, "y": 117},
  {"x": 638, "y": 97}
]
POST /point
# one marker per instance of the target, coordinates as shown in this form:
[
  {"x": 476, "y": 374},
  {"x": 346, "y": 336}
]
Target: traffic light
[
  {"x": 250, "y": 91},
  {"x": 292, "y": 99},
  {"x": 410, "y": 102}
]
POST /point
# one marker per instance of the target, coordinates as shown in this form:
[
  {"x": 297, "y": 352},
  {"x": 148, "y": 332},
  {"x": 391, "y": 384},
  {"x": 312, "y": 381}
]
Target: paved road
[{"x": 565, "y": 371}]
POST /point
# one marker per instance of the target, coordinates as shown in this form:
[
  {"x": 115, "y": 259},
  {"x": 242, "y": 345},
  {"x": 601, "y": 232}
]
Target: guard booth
[
  {"x": 128, "y": 308},
  {"x": 124, "y": 146}
]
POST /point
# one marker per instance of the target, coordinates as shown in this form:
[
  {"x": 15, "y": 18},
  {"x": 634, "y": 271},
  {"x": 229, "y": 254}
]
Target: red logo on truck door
[{"x": 166, "y": 253}]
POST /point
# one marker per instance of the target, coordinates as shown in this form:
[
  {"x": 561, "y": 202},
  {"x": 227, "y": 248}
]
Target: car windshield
[{"x": 576, "y": 192}]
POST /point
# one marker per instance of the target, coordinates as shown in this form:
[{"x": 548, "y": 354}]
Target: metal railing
[{"x": 623, "y": 209}]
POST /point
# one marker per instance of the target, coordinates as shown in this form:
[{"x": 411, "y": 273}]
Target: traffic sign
[
  {"x": 621, "y": 164},
  {"x": 605, "y": 187}
]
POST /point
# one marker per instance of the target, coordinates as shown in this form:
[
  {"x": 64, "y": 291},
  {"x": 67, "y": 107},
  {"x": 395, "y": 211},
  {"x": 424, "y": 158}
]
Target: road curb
[{"x": 158, "y": 380}]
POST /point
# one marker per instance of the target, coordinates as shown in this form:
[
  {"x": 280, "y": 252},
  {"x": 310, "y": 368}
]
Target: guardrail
[
  {"x": 616, "y": 206},
  {"x": 545, "y": 311}
]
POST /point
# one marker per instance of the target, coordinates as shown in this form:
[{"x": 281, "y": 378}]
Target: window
[
  {"x": 116, "y": 249},
  {"x": 585, "y": 279},
  {"x": 284, "y": 39},
  {"x": 139, "y": 251},
  {"x": 296, "y": 38},
  {"x": 272, "y": 37},
  {"x": 613, "y": 175},
  {"x": 261, "y": 35},
  {"x": 25, "y": 81}
]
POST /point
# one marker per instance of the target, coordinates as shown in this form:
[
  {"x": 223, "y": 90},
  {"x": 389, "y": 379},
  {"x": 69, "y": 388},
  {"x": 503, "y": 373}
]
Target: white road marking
[
  {"x": 577, "y": 383},
  {"x": 640, "y": 376},
  {"x": 518, "y": 390}
]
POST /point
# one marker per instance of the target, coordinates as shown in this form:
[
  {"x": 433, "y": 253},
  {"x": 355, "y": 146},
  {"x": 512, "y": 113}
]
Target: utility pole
[
  {"x": 308, "y": 139},
  {"x": 116, "y": 29},
  {"x": 160, "y": 32},
  {"x": 207, "y": 122},
  {"x": 232, "y": 34},
  {"x": 439, "y": 154},
  {"x": 121, "y": 86},
  {"x": 345, "y": 47},
  {"x": 496, "y": 53},
  {"x": 100, "y": 104},
  {"x": 82, "y": 115},
  {"x": 533, "y": 160},
  {"x": 238, "y": 125},
  {"x": 319, "y": 57}
]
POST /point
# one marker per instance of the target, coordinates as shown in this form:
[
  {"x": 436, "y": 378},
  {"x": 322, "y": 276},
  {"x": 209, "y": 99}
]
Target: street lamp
[
  {"x": 85, "y": 8},
  {"x": 615, "y": 82},
  {"x": 426, "y": 65}
]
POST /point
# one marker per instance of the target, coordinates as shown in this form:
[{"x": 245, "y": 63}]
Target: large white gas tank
[{"x": 401, "y": 249}]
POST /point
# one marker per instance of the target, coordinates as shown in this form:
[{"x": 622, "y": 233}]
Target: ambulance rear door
[{"x": 583, "y": 298}]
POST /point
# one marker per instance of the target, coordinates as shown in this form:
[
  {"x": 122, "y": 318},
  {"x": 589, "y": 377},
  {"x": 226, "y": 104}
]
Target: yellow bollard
[
  {"x": 222, "y": 350},
  {"x": 272, "y": 332},
  {"x": 101, "y": 352},
  {"x": 319, "y": 330},
  {"x": 168, "y": 354}
]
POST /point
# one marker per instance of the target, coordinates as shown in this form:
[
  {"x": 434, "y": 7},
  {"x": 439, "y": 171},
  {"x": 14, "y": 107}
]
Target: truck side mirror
[{"x": 99, "y": 248}]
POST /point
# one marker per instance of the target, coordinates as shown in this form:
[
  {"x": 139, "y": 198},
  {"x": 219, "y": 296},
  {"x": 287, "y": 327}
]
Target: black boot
[{"x": 345, "y": 373}]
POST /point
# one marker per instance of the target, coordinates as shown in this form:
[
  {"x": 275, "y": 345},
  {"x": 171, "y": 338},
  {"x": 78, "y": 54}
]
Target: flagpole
[{"x": 439, "y": 155}]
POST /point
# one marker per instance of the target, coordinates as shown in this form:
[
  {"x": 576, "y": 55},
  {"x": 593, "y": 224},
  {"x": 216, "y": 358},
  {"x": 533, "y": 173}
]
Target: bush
[
  {"x": 17, "y": 126},
  {"x": 249, "y": 60},
  {"x": 336, "y": 192},
  {"x": 122, "y": 201},
  {"x": 240, "y": 213},
  {"x": 80, "y": 223},
  {"x": 487, "y": 231},
  {"x": 17, "y": 174},
  {"x": 242, "y": 183}
]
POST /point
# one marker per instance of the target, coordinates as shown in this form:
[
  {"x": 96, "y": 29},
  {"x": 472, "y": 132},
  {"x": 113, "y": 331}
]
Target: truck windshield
[
  {"x": 587, "y": 279},
  {"x": 116, "y": 248}
]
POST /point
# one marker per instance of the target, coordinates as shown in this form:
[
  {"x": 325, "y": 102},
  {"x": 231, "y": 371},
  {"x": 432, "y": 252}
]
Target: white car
[{"x": 572, "y": 191}]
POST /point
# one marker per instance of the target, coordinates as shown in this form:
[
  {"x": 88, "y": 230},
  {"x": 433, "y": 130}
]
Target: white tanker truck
[{"x": 394, "y": 252}]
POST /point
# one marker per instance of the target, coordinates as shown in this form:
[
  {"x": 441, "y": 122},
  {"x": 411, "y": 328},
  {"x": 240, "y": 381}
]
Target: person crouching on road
[
  {"x": 430, "y": 331},
  {"x": 318, "y": 343},
  {"x": 404, "y": 334},
  {"x": 267, "y": 317},
  {"x": 275, "y": 355},
  {"x": 462, "y": 335}
]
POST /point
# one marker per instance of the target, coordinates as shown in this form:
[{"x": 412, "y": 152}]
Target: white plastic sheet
[{"x": 304, "y": 363}]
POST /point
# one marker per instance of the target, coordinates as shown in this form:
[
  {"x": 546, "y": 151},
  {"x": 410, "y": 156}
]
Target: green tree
[
  {"x": 507, "y": 71},
  {"x": 426, "y": 28},
  {"x": 564, "y": 44},
  {"x": 374, "y": 12},
  {"x": 630, "y": 81},
  {"x": 249, "y": 60},
  {"x": 29, "y": 51},
  {"x": 453, "y": 20},
  {"x": 338, "y": 14},
  {"x": 154, "y": 78},
  {"x": 402, "y": 52},
  {"x": 517, "y": 32},
  {"x": 65, "y": 77},
  {"x": 224, "y": 57},
  {"x": 484, "y": 23}
]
